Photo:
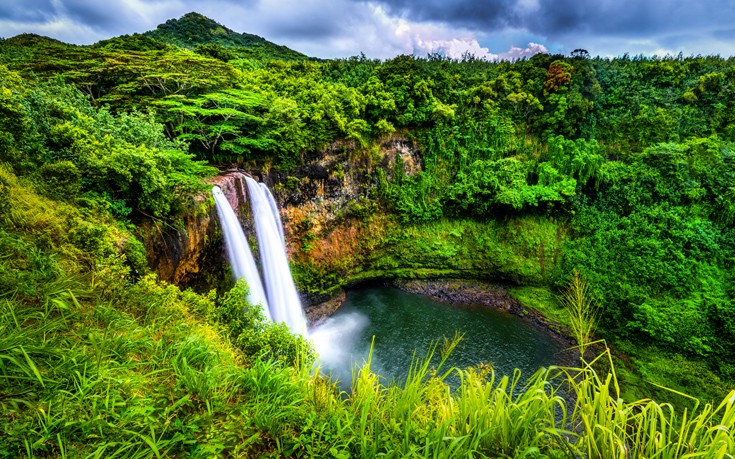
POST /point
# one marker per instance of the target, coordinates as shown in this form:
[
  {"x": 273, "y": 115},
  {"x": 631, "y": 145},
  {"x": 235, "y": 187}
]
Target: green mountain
[
  {"x": 121, "y": 67},
  {"x": 197, "y": 32},
  {"x": 39, "y": 54}
]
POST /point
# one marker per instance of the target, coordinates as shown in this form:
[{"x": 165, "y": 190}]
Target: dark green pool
[{"x": 403, "y": 323}]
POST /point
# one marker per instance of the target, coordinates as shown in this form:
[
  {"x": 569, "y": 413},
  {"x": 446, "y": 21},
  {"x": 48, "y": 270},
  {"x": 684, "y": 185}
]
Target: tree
[
  {"x": 558, "y": 76},
  {"x": 228, "y": 120},
  {"x": 580, "y": 53}
]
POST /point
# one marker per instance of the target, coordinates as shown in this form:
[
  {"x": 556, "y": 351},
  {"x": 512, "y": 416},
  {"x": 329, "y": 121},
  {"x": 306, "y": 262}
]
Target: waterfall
[
  {"x": 283, "y": 304},
  {"x": 283, "y": 298},
  {"x": 238, "y": 251},
  {"x": 274, "y": 209}
]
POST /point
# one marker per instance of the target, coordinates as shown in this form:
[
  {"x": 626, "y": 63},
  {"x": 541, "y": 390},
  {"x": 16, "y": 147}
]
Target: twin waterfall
[{"x": 279, "y": 299}]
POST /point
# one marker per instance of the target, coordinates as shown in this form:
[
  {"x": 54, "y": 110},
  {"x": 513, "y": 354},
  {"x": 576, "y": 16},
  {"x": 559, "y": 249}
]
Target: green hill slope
[{"x": 194, "y": 31}]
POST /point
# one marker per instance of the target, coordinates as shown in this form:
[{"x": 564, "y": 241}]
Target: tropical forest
[{"x": 589, "y": 198}]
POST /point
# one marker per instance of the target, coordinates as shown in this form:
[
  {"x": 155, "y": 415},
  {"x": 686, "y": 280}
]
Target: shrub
[
  {"x": 61, "y": 180},
  {"x": 250, "y": 331}
]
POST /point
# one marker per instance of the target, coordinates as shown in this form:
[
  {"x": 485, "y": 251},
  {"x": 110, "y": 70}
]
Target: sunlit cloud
[
  {"x": 422, "y": 38},
  {"x": 63, "y": 29}
]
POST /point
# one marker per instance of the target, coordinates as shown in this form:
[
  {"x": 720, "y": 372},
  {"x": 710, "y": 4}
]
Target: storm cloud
[
  {"x": 499, "y": 29},
  {"x": 463, "y": 13},
  {"x": 561, "y": 17}
]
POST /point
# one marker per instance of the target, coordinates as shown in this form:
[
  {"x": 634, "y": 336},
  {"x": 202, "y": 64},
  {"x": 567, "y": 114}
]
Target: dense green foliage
[
  {"x": 661, "y": 225},
  {"x": 51, "y": 132},
  {"x": 622, "y": 169},
  {"x": 93, "y": 365}
]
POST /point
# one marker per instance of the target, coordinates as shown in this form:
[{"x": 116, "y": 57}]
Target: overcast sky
[{"x": 385, "y": 28}]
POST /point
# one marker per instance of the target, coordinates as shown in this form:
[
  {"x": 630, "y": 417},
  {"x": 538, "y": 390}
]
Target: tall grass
[
  {"x": 582, "y": 311},
  {"x": 149, "y": 377},
  {"x": 560, "y": 412},
  {"x": 159, "y": 383}
]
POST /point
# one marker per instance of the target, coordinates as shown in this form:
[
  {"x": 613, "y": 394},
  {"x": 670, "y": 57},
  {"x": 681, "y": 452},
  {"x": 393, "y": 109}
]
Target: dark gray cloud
[
  {"x": 304, "y": 20},
  {"x": 111, "y": 16},
  {"x": 554, "y": 18},
  {"x": 106, "y": 15},
  {"x": 615, "y": 18},
  {"x": 464, "y": 13},
  {"x": 313, "y": 29}
]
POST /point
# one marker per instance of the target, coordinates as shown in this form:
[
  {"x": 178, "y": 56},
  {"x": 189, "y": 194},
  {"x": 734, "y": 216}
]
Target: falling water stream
[
  {"x": 274, "y": 209},
  {"x": 277, "y": 291},
  {"x": 283, "y": 299},
  {"x": 238, "y": 251}
]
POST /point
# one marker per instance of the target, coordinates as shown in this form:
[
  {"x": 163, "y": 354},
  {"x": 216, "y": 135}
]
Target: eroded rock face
[
  {"x": 478, "y": 292},
  {"x": 233, "y": 187},
  {"x": 463, "y": 291},
  {"x": 312, "y": 199},
  {"x": 334, "y": 183},
  {"x": 193, "y": 255}
]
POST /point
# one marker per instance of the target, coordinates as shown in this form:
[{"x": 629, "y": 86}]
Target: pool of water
[{"x": 403, "y": 324}]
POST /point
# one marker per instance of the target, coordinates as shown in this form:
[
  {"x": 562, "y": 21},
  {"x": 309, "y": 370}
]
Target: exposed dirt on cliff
[{"x": 335, "y": 184}]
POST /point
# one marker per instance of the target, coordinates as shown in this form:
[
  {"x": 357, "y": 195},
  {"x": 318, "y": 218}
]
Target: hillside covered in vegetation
[{"x": 621, "y": 169}]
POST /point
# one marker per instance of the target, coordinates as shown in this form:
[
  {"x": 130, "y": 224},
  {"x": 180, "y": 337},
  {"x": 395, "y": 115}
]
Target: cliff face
[
  {"x": 320, "y": 202},
  {"x": 334, "y": 186},
  {"x": 192, "y": 255}
]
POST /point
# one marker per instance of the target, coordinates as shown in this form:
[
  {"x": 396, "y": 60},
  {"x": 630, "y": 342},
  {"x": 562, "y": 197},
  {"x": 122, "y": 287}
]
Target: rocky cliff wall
[{"x": 191, "y": 254}]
